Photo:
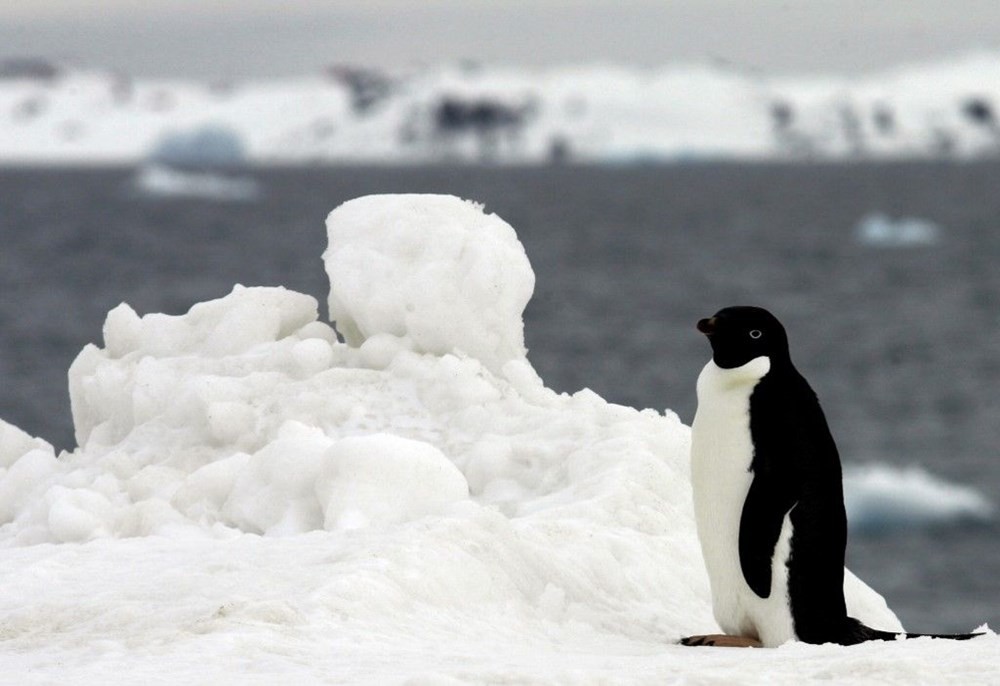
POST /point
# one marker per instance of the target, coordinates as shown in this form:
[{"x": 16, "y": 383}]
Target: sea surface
[{"x": 899, "y": 333}]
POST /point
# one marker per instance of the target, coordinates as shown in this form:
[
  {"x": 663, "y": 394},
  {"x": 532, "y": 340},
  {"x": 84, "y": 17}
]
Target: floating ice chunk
[
  {"x": 432, "y": 268},
  {"x": 880, "y": 230},
  {"x": 880, "y": 497},
  {"x": 155, "y": 180}
]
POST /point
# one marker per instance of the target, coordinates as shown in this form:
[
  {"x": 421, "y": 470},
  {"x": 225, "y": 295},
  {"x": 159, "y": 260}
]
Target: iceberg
[{"x": 259, "y": 496}]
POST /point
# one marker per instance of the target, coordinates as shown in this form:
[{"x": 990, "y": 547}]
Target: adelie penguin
[{"x": 768, "y": 494}]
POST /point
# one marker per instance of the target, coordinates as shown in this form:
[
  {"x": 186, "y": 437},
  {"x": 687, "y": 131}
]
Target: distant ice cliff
[{"x": 474, "y": 114}]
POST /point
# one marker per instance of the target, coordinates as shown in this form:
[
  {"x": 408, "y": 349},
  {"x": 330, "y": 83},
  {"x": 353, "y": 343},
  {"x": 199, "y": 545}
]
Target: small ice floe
[
  {"x": 881, "y": 230},
  {"x": 162, "y": 181},
  {"x": 204, "y": 147},
  {"x": 880, "y": 497}
]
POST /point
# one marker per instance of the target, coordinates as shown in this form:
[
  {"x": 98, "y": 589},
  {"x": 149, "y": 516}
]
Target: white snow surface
[
  {"x": 582, "y": 113},
  {"x": 253, "y": 501}
]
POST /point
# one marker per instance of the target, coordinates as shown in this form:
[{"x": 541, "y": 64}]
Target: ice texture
[{"x": 436, "y": 270}]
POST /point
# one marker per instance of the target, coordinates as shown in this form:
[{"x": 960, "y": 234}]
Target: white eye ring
[{"x": 755, "y": 334}]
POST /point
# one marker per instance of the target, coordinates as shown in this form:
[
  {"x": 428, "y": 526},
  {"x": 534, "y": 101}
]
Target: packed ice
[{"x": 255, "y": 498}]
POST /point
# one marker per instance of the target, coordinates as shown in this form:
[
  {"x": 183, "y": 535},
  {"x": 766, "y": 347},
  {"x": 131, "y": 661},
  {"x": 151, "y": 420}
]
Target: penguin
[{"x": 768, "y": 494}]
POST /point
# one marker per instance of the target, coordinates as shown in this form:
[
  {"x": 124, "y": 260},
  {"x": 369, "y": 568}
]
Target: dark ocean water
[{"x": 901, "y": 343}]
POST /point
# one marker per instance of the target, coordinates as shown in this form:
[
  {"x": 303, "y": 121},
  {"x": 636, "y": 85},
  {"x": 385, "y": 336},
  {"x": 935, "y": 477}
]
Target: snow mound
[
  {"x": 880, "y": 497},
  {"x": 435, "y": 270},
  {"x": 247, "y": 415}
]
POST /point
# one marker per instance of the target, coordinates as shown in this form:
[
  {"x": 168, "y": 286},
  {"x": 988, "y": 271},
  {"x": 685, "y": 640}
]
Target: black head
[{"x": 741, "y": 334}]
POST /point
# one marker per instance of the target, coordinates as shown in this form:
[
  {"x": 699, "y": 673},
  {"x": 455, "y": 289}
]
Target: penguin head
[{"x": 741, "y": 334}]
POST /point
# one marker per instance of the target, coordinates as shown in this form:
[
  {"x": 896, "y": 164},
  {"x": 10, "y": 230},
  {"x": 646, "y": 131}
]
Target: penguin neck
[{"x": 715, "y": 379}]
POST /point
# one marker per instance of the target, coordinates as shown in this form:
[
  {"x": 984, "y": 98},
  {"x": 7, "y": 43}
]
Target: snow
[
  {"x": 589, "y": 113},
  {"x": 456, "y": 283},
  {"x": 254, "y": 501}
]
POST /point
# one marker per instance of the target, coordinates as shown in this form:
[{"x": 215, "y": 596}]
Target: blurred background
[{"x": 837, "y": 162}]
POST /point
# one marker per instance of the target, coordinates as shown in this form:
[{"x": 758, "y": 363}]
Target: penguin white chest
[{"x": 722, "y": 451}]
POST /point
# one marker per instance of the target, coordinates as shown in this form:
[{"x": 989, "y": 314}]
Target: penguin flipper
[{"x": 764, "y": 513}]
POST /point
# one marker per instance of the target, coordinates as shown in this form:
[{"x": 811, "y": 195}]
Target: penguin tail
[
  {"x": 859, "y": 633},
  {"x": 952, "y": 637}
]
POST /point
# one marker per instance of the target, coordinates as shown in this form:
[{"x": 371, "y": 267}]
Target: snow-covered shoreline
[
  {"x": 593, "y": 114},
  {"x": 254, "y": 500}
]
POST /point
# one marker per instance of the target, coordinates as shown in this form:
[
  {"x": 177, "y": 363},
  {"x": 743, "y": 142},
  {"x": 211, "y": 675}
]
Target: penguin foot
[{"x": 721, "y": 641}]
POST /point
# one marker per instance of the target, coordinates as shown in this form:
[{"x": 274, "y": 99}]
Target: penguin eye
[{"x": 755, "y": 334}]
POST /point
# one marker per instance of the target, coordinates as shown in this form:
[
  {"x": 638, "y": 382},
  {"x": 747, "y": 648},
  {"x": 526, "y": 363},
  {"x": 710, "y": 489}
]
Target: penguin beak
[{"x": 707, "y": 326}]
